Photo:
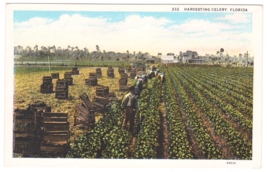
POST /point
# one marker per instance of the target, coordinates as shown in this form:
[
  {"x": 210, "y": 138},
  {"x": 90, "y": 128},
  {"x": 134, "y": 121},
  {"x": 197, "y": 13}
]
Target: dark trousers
[{"x": 130, "y": 114}]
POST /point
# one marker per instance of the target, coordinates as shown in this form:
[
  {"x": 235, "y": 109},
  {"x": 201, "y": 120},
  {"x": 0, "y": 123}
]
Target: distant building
[
  {"x": 168, "y": 59},
  {"x": 151, "y": 60},
  {"x": 189, "y": 55}
]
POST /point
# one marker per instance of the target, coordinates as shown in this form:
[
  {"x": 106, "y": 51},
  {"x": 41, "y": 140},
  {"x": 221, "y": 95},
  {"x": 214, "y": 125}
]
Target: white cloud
[
  {"x": 135, "y": 33},
  {"x": 236, "y": 18},
  {"x": 202, "y": 26},
  {"x": 33, "y": 22}
]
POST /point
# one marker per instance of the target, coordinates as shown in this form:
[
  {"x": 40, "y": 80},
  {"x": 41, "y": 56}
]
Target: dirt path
[{"x": 163, "y": 132}]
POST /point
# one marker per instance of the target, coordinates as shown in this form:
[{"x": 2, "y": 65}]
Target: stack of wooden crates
[
  {"x": 92, "y": 80},
  {"x": 47, "y": 85},
  {"x": 75, "y": 71},
  {"x": 86, "y": 114},
  {"x": 110, "y": 72},
  {"x": 103, "y": 99},
  {"x": 121, "y": 70},
  {"x": 68, "y": 78},
  {"x": 62, "y": 89},
  {"x": 55, "y": 75},
  {"x": 123, "y": 82},
  {"x": 98, "y": 72},
  {"x": 55, "y": 134}
]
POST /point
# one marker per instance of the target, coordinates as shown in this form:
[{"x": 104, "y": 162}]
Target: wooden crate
[
  {"x": 123, "y": 88},
  {"x": 55, "y": 138},
  {"x": 46, "y": 88},
  {"x": 47, "y": 80},
  {"x": 75, "y": 71},
  {"x": 98, "y": 72},
  {"x": 86, "y": 101},
  {"x": 62, "y": 89},
  {"x": 123, "y": 81},
  {"x": 110, "y": 73},
  {"x": 70, "y": 81},
  {"x": 92, "y": 75},
  {"x": 121, "y": 70},
  {"x": 91, "y": 81},
  {"x": 55, "y": 75},
  {"x": 25, "y": 132},
  {"x": 67, "y": 75},
  {"x": 106, "y": 90},
  {"x": 129, "y": 69},
  {"x": 102, "y": 91},
  {"x": 124, "y": 75}
]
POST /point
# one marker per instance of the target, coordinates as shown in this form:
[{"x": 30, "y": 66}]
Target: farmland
[{"x": 199, "y": 112}]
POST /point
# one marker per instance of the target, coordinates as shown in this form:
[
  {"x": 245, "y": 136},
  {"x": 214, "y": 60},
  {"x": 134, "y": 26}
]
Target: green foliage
[
  {"x": 21, "y": 70},
  {"x": 147, "y": 144},
  {"x": 88, "y": 145},
  {"x": 118, "y": 142}
]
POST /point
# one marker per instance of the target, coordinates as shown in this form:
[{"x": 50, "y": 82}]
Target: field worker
[
  {"x": 151, "y": 74},
  {"x": 161, "y": 77},
  {"x": 144, "y": 77},
  {"x": 129, "y": 103},
  {"x": 139, "y": 86},
  {"x": 152, "y": 67},
  {"x": 136, "y": 78}
]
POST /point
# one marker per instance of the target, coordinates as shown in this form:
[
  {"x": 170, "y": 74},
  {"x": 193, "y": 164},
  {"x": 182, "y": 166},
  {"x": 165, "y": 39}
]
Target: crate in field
[
  {"x": 91, "y": 81},
  {"x": 123, "y": 81},
  {"x": 67, "y": 75},
  {"x": 123, "y": 88},
  {"x": 100, "y": 91},
  {"x": 68, "y": 78},
  {"x": 86, "y": 113},
  {"x": 98, "y": 72},
  {"x": 55, "y": 75},
  {"x": 27, "y": 128},
  {"x": 85, "y": 117},
  {"x": 46, "y": 88},
  {"x": 124, "y": 75},
  {"x": 86, "y": 100},
  {"x": 55, "y": 138},
  {"x": 92, "y": 75},
  {"x": 75, "y": 71},
  {"x": 129, "y": 69},
  {"x": 110, "y": 73},
  {"x": 62, "y": 89},
  {"x": 47, "y": 85},
  {"x": 25, "y": 132},
  {"x": 121, "y": 70}
]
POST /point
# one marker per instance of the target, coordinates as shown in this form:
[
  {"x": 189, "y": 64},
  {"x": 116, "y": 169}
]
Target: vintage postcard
[{"x": 93, "y": 85}]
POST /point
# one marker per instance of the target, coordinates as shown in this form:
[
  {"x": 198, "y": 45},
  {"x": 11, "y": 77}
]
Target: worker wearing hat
[{"x": 129, "y": 103}]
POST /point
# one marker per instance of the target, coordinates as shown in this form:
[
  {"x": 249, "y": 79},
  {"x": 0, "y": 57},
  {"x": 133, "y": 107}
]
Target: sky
[{"x": 152, "y": 32}]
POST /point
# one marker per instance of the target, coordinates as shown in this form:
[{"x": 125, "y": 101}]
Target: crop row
[
  {"x": 230, "y": 101},
  {"x": 224, "y": 105},
  {"x": 221, "y": 80},
  {"x": 204, "y": 140},
  {"x": 147, "y": 143},
  {"x": 241, "y": 149},
  {"x": 179, "y": 147}
]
